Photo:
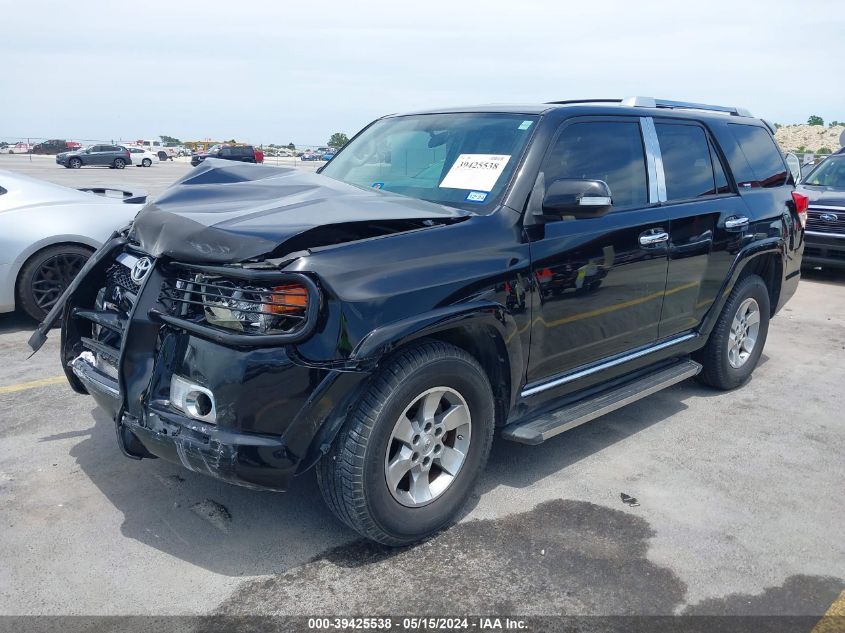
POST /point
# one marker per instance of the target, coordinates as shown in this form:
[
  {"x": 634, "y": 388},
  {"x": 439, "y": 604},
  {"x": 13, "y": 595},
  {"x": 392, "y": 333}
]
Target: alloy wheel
[
  {"x": 744, "y": 331},
  {"x": 54, "y": 276},
  {"x": 428, "y": 446}
]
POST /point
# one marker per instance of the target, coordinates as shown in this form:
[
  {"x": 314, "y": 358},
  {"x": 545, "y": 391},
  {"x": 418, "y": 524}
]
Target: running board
[{"x": 539, "y": 429}]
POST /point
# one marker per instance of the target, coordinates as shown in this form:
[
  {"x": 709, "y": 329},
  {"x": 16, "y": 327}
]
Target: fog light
[{"x": 192, "y": 399}]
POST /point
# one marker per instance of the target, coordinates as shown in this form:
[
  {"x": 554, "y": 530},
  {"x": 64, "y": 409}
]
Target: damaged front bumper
[
  {"x": 247, "y": 459},
  {"x": 270, "y": 408}
]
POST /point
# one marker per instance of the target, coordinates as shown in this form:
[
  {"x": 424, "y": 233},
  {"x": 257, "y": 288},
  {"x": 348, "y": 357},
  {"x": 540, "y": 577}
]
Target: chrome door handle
[
  {"x": 736, "y": 222},
  {"x": 649, "y": 239}
]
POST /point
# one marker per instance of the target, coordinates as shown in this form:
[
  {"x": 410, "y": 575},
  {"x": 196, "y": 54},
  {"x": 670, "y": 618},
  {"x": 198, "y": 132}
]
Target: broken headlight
[{"x": 242, "y": 306}]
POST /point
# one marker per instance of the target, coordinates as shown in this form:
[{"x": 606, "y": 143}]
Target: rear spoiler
[{"x": 128, "y": 196}]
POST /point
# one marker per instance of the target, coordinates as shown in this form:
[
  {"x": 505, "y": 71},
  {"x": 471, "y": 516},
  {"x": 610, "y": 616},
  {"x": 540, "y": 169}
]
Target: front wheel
[
  {"x": 407, "y": 458},
  {"x": 146, "y": 162},
  {"x": 737, "y": 340},
  {"x": 75, "y": 163}
]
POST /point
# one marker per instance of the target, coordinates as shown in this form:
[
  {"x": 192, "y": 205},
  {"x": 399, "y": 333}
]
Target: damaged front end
[
  {"x": 169, "y": 350},
  {"x": 188, "y": 328}
]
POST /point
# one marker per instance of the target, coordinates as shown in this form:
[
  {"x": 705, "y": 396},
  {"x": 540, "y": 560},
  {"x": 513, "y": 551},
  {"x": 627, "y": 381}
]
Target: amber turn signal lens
[{"x": 293, "y": 299}]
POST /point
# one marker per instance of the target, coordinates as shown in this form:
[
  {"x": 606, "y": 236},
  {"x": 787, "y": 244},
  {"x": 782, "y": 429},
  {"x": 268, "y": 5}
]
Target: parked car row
[{"x": 53, "y": 146}]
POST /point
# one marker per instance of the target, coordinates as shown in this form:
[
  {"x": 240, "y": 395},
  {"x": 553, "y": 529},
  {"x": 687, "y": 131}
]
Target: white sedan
[
  {"x": 141, "y": 157},
  {"x": 48, "y": 232}
]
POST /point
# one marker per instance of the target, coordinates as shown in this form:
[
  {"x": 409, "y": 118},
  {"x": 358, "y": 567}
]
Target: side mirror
[
  {"x": 794, "y": 164},
  {"x": 577, "y": 197}
]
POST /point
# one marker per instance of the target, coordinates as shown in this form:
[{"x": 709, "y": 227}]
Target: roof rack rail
[
  {"x": 569, "y": 101},
  {"x": 651, "y": 102}
]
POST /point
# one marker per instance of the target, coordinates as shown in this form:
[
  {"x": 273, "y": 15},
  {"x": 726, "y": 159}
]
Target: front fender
[{"x": 322, "y": 418}]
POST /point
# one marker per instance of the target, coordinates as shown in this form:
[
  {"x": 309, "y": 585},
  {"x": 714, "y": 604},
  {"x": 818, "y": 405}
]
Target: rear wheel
[
  {"x": 737, "y": 340},
  {"x": 407, "y": 458},
  {"x": 119, "y": 163},
  {"x": 46, "y": 275}
]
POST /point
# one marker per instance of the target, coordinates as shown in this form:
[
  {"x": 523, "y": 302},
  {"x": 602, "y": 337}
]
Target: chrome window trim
[
  {"x": 530, "y": 390},
  {"x": 654, "y": 159}
]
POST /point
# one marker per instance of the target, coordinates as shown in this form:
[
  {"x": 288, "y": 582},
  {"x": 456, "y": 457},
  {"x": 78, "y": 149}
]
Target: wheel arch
[
  {"x": 769, "y": 267},
  {"x": 764, "y": 258},
  {"x": 482, "y": 329},
  {"x": 34, "y": 250}
]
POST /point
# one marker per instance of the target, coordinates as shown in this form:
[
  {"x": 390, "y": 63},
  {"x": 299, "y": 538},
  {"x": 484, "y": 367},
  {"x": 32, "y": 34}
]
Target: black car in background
[
  {"x": 112, "y": 156},
  {"x": 825, "y": 187},
  {"x": 518, "y": 269},
  {"x": 242, "y": 153},
  {"x": 54, "y": 146}
]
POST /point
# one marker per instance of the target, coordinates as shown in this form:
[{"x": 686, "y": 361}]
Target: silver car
[{"x": 48, "y": 232}]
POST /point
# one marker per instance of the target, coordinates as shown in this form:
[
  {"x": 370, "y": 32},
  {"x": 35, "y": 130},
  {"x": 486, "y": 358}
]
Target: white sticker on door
[{"x": 475, "y": 171}]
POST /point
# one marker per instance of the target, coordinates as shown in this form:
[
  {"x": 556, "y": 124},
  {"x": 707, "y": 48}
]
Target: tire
[
  {"x": 719, "y": 362},
  {"x": 146, "y": 162},
  {"x": 74, "y": 163},
  {"x": 119, "y": 163},
  {"x": 46, "y": 274},
  {"x": 353, "y": 475}
]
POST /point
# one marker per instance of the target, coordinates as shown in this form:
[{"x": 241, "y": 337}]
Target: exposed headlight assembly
[{"x": 283, "y": 305}]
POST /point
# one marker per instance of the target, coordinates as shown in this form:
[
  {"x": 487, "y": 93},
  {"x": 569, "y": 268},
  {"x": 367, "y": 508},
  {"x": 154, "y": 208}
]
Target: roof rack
[{"x": 651, "y": 102}]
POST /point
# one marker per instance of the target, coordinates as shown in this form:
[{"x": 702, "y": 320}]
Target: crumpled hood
[
  {"x": 823, "y": 195},
  {"x": 224, "y": 211}
]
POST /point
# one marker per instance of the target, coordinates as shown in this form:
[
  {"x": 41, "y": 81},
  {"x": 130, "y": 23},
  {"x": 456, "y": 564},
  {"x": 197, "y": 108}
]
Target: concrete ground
[{"x": 740, "y": 509}]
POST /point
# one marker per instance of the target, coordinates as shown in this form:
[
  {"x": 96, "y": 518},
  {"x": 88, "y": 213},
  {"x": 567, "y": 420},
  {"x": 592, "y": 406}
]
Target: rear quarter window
[
  {"x": 763, "y": 156},
  {"x": 686, "y": 161}
]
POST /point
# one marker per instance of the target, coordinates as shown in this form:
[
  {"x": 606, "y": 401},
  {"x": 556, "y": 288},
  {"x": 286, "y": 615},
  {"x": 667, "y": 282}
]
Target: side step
[{"x": 539, "y": 429}]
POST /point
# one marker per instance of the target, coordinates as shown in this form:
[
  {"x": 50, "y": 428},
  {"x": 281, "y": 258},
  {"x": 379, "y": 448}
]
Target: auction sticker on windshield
[{"x": 475, "y": 171}]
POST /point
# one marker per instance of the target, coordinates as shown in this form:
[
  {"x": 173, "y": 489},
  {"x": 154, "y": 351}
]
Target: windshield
[
  {"x": 829, "y": 173},
  {"x": 462, "y": 159}
]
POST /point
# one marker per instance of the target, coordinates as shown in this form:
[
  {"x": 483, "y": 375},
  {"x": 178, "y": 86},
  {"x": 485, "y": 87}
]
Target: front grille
[
  {"x": 232, "y": 304},
  {"x": 829, "y": 225}
]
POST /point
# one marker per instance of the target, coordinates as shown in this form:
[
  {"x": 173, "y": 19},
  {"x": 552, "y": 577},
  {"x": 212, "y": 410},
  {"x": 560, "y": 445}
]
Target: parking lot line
[{"x": 32, "y": 384}]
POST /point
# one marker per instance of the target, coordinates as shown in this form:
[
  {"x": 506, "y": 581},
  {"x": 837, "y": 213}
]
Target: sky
[{"x": 297, "y": 71}]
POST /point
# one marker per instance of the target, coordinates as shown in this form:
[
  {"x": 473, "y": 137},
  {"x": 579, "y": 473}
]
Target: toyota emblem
[
  {"x": 141, "y": 269},
  {"x": 829, "y": 217}
]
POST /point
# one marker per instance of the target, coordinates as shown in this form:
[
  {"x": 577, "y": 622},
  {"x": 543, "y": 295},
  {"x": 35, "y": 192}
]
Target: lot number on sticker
[{"x": 475, "y": 171}]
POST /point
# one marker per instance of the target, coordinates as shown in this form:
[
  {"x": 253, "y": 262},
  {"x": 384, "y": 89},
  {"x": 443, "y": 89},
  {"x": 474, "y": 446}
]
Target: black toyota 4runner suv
[{"x": 447, "y": 275}]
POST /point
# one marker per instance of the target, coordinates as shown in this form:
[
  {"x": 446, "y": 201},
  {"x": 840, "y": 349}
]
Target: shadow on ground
[
  {"x": 236, "y": 531},
  {"x": 563, "y": 557},
  {"x": 16, "y": 322},
  {"x": 832, "y": 276}
]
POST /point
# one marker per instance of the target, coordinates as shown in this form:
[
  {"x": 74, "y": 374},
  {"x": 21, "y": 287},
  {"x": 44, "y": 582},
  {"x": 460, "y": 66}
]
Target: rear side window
[
  {"x": 686, "y": 161},
  {"x": 762, "y": 155},
  {"x": 611, "y": 151}
]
